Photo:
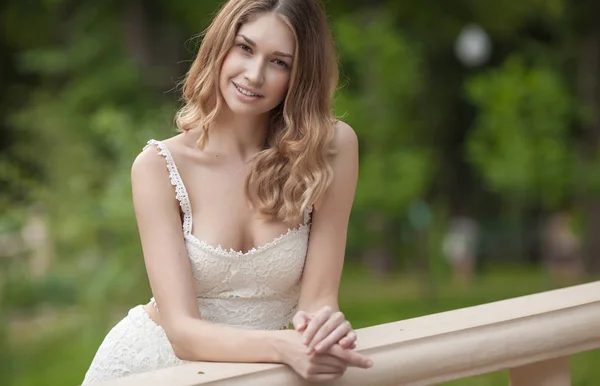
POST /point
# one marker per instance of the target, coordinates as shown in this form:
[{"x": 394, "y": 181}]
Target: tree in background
[{"x": 380, "y": 100}]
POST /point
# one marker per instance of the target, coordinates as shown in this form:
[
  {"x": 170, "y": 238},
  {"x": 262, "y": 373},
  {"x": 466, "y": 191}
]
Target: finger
[
  {"x": 352, "y": 358},
  {"x": 346, "y": 343},
  {"x": 348, "y": 340},
  {"x": 300, "y": 320},
  {"x": 325, "y": 368},
  {"x": 353, "y": 346},
  {"x": 333, "y": 321},
  {"x": 315, "y": 324},
  {"x": 329, "y": 360},
  {"x": 333, "y": 337},
  {"x": 351, "y": 336}
]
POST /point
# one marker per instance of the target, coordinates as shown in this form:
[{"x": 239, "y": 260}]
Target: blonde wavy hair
[{"x": 292, "y": 172}]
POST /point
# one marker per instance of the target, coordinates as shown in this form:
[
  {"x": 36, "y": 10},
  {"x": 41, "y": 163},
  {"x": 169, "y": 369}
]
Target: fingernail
[
  {"x": 319, "y": 347},
  {"x": 309, "y": 350},
  {"x": 369, "y": 363}
]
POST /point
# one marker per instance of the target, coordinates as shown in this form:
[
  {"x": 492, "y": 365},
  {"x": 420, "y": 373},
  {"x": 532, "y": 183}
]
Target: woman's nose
[{"x": 255, "y": 72}]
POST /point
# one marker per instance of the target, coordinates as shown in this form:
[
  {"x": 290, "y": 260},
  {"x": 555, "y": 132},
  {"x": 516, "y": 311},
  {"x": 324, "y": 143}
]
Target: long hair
[{"x": 292, "y": 172}]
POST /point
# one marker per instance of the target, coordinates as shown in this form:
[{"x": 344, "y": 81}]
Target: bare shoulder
[
  {"x": 345, "y": 139},
  {"x": 151, "y": 184},
  {"x": 344, "y": 163},
  {"x": 148, "y": 164}
]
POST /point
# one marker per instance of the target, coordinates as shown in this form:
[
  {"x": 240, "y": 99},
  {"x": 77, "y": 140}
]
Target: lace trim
[
  {"x": 220, "y": 251},
  {"x": 307, "y": 214},
  {"x": 180, "y": 191}
]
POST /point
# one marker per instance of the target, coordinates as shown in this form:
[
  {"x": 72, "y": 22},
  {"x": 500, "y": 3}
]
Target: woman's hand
[
  {"x": 317, "y": 367},
  {"x": 324, "y": 329}
]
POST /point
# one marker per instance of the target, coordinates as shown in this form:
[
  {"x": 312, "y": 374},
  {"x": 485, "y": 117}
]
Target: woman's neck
[{"x": 238, "y": 136}]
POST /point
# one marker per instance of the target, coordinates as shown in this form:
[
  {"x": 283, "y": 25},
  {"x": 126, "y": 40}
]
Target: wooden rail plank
[{"x": 436, "y": 348}]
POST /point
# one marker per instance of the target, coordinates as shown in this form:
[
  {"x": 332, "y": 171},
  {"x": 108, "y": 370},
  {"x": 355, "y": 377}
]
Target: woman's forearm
[
  {"x": 315, "y": 305},
  {"x": 198, "y": 340}
]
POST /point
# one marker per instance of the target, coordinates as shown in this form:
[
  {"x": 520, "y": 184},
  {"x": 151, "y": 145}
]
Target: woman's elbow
[
  {"x": 182, "y": 350},
  {"x": 184, "y": 353},
  {"x": 181, "y": 343}
]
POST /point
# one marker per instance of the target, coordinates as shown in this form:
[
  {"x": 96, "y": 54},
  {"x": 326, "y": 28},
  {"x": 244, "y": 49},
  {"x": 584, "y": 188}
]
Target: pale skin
[{"x": 320, "y": 347}]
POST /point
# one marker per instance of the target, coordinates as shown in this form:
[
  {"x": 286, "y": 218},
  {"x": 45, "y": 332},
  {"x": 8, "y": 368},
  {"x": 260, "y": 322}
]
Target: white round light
[{"x": 473, "y": 46}]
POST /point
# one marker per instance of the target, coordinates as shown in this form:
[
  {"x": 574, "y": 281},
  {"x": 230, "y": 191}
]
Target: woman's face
[{"x": 255, "y": 74}]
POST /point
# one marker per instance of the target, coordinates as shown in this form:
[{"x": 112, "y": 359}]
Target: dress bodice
[{"x": 257, "y": 289}]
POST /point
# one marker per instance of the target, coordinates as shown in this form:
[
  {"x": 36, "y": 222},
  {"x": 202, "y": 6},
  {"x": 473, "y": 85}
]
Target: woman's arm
[
  {"x": 172, "y": 283},
  {"x": 171, "y": 280},
  {"x": 325, "y": 258}
]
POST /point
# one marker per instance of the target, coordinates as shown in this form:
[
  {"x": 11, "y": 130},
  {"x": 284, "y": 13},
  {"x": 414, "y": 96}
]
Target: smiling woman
[
  {"x": 244, "y": 233},
  {"x": 255, "y": 77}
]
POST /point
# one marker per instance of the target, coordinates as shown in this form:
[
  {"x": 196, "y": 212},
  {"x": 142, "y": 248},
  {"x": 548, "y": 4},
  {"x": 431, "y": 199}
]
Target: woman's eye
[
  {"x": 244, "y": 47},
  {"x": 281, "y": 63}
]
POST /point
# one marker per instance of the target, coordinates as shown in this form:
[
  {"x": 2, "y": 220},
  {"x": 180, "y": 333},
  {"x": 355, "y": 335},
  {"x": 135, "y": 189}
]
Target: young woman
[{"x": 243, "y": 215}]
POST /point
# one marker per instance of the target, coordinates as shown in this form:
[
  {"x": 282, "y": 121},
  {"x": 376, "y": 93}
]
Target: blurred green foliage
[{"x": 521, "y": 143}]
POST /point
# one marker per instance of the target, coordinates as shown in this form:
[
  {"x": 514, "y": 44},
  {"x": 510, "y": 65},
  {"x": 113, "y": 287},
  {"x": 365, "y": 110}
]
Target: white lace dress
[{"x": 258, "y": 289}]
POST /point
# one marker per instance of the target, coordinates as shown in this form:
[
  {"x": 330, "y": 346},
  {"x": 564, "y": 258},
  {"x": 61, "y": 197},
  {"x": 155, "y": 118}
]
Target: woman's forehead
[{"x": 270, "y": 32}]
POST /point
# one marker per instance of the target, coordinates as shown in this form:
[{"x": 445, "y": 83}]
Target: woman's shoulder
[
  {"x": 177, "y": 146},
  {"x": 344, "y": 138},
  {"x": 155, "y": 155}
]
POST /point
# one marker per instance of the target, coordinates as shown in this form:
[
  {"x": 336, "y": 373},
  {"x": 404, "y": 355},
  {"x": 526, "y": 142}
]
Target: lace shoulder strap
[
  {"x": 307, "y": 214},
  {"x": 180, "y": 191}
]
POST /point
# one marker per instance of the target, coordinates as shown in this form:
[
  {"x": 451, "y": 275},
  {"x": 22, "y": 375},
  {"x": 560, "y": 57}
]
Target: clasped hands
[{"x": 328, "y": 340}]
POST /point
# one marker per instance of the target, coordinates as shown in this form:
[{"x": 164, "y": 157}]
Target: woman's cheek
[{"x": 283, "y": 85}]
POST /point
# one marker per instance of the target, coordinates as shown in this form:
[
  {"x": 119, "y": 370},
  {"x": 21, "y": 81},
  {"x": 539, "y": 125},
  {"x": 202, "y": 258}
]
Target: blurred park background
[{"x": 479, "y": 125}]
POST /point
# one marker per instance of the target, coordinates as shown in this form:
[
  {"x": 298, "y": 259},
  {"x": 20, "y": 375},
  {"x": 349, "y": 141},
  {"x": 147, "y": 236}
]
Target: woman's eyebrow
[
  {"x": 251, "y": 43},
  {"x": 279, "y": 53}
]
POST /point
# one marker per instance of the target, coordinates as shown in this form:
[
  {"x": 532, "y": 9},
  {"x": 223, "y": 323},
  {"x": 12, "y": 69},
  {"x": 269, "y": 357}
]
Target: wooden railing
[{"x": 532, "y": 336}]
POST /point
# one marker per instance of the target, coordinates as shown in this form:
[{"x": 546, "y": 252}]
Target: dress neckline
[
  {"x": 254, "y": 251},
  {"x": 182, "y": 197}
]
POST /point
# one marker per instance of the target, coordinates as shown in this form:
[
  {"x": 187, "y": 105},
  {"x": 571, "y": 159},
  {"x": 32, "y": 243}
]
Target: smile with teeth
[{"x": 246, "y": 92}]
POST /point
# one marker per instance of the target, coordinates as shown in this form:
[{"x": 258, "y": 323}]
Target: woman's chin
[{"x": 244, "y": 109}]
